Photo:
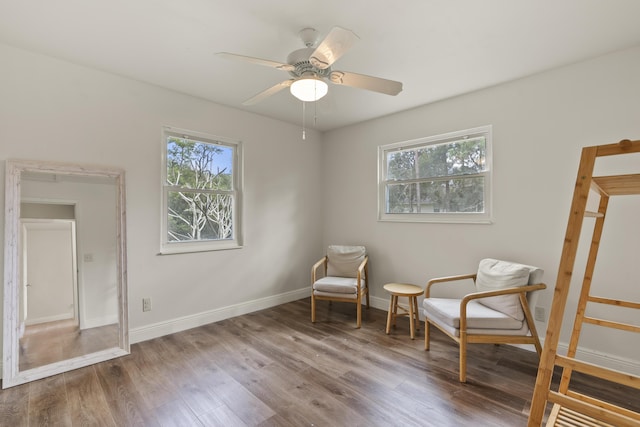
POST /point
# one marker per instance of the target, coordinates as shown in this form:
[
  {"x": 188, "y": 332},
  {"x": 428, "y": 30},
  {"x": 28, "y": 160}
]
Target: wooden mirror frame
[{"x": 11, "y": 375}]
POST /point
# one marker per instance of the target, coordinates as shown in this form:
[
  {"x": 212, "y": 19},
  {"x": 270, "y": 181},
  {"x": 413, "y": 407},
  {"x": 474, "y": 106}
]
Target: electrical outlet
[
  {"x": 146, "y": 304},
  {"x": 540, "y": 314}
]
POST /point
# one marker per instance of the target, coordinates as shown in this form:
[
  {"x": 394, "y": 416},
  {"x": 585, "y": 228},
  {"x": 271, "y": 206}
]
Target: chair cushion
[
  {"x": 446, "y": 311},
  {"x": 336, "y": 285},
  {"x": 494, "y": 275},
  {"x": 343, "y": 261}
]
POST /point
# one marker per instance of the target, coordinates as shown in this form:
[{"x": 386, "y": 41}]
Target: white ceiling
[{"x": 437, "y": 48}]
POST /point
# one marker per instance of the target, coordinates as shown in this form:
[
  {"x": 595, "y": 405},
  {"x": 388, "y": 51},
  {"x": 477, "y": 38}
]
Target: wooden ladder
[{"x": 571, "y": 408}]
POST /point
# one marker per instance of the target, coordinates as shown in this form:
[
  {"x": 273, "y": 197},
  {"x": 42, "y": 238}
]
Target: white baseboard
[
  {"x": 100, "y": 321},
  {"x": 602, "y": 359},
  {"x": 159, "y": 329},
  {"x": 54, "y": 318},
  {"x": 380, "y": 303}
]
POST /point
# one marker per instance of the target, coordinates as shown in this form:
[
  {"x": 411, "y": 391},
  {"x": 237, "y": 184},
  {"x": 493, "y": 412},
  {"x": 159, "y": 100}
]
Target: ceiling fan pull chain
[
  {"x": 304, "y": 132},
  {"x": 315, "y": 114}
]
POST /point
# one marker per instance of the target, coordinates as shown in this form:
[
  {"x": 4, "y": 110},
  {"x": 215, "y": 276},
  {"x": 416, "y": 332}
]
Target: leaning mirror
[{"x": 65, "y": 290}]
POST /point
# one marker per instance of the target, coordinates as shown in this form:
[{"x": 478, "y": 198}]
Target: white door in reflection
[{"x": 50, "y": 282}]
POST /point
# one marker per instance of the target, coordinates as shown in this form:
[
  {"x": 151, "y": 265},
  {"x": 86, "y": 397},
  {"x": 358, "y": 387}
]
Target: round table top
[{"x": 403, "y": 289}]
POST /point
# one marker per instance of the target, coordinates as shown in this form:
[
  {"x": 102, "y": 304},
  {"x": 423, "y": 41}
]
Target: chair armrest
[
  {"x": 505, "y": 291},
  {"x": 363, "y": 271},
  {"x": 447, "y": 279},
  {"x": 316, "y": 266},
  {"x": 363, "y": 265},
  {"x": 522, "y": 290}
]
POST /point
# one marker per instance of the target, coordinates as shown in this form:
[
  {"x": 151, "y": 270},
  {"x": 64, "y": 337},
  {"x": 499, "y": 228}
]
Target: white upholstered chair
[
  {"x": 497, "y": 312},
  {"x": 341, "y": 276}
]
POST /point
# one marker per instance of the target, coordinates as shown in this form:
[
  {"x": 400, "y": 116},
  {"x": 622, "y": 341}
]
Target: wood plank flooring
[{"x": 275, "y": 368}]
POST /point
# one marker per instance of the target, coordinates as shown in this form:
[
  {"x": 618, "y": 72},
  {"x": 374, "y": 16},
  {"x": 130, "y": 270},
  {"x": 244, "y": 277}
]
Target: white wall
[
  {"x": 326, "y": 193},
  {"x": 540, "y": 124},
  {"x": 54, "y": 110}
]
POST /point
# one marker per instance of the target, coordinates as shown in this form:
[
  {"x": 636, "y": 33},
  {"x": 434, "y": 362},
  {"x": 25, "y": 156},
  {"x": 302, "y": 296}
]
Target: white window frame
[
  {"x": 236, "y": 241},
  {"x": 449, "y": 217}
]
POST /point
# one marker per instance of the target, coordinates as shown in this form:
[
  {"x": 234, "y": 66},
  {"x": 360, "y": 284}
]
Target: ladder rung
[
  {"x": 591, "y": 214},
  {"x": 615, "y": 302},
  {"x": 610, "y": 324},
  {"x": 598, "y": 371}
]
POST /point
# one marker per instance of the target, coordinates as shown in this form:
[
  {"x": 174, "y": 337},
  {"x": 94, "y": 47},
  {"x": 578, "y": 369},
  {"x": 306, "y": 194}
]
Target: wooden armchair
[
  {"x": 342, "y": 275},
  {"x": 498, "y": 312}
]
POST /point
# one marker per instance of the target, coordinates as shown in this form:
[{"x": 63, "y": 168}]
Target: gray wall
[
  {"x": 54, "y": 110},
  {"x": 326, "y": 193},
  {"x": 540, "y": 124}
]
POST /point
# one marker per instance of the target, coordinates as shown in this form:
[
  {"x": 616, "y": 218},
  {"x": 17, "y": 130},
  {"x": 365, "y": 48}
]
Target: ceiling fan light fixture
[{"x": 309, "y": 89}]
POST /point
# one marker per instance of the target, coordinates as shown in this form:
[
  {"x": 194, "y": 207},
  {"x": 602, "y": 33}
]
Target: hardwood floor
[{"x": 276, "y": 368}]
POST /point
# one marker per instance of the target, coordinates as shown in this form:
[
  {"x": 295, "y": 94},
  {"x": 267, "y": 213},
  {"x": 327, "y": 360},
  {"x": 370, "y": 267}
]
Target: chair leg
[
  {"x": 426, "y": 334},
  {"x": 463, "y": 357},
  {"x": 313, "y": 308},
  {"x": 359, "y": 314},
  {"x": 537, "y": 345},
  {"x": 367, "y": 297}
]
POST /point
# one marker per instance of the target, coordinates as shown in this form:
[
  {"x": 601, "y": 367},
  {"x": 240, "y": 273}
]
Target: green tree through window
[
  {"x": 445, "y": 176},
  {"x": 200, "y": 190}
]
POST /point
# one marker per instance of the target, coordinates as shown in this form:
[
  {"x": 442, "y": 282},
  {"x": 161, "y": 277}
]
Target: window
[
  {"x": 443, "y": 178},
  {"x": 201, "y": 192}
]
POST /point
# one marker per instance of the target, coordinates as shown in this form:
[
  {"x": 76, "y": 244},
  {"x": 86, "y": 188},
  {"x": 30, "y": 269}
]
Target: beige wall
[
  {"x": 539, "y": 124},
  {"x": 54, "y": 110}
]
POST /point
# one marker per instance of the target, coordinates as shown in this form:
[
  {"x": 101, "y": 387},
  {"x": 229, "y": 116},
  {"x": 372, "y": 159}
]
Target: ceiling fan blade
[
  {"x": 361, "y": 81},
  {"x": 337, "y": 42},
  {"x": 252, "y": 60},
  {"x": 267, "y": 93}
]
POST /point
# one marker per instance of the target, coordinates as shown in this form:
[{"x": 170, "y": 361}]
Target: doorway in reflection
[
  {"x": 68, "y": 292},
  {"x": 49, "y": 281}
]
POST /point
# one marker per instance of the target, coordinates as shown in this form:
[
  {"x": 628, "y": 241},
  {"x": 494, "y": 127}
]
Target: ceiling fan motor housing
[
  {"x": 300, "y": 60},
  {"x": 314, "y": 63}
]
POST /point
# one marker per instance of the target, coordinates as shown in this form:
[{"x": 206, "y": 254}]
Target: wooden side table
[{"x": 403, "y": 290}]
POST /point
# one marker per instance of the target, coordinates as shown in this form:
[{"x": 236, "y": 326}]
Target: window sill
[
  {"x": 437, "y": 219},
  {"x": 185, "y": 248}
]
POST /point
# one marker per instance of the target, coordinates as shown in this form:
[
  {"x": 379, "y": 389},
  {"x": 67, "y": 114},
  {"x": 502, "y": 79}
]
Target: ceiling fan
[{"x": 310, "y": 68}]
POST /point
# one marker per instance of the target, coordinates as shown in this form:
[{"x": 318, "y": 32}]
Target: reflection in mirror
[{"x": 65, "y": 271}]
